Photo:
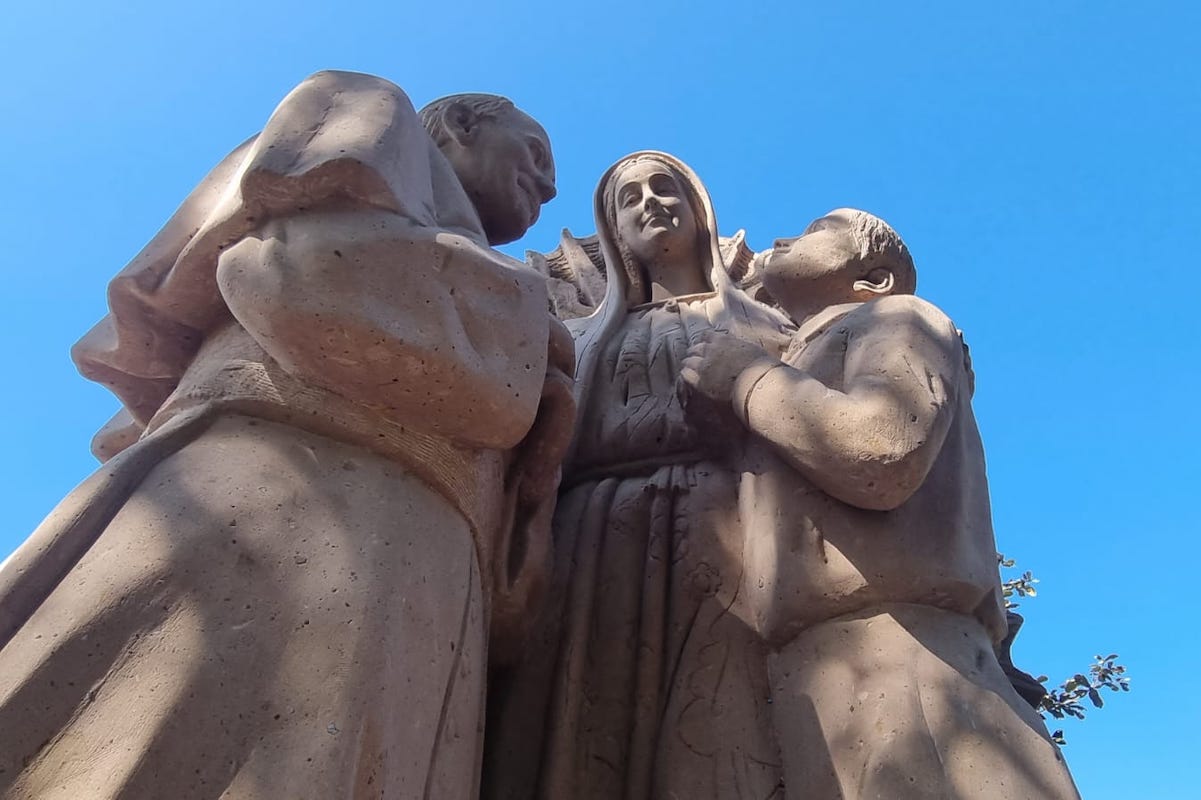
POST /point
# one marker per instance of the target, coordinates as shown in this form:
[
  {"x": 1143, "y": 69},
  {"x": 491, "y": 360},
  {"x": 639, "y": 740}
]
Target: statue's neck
[{"x": 675, "y": 279}]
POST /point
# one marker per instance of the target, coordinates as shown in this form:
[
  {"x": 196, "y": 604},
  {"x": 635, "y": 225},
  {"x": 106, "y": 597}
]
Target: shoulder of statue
[
  {"x": 340, "y": 80},
  {"x": 916, "y": 325},
  {"x": 905, "y": 312}
]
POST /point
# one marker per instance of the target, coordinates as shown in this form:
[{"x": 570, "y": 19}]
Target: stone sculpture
[
  {"x": 326, "y": 532},
  {"x": 353, "y": 414},
  {"x": 575, "y": 271},
  {"x": 869, "y": 560},
  {"x": 640, "y": 684}
]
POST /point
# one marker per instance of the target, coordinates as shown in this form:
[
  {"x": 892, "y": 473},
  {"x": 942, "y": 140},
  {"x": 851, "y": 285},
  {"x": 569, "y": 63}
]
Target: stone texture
[
  {"x": 353, "y": 415},
  {"x": 329, "y": 530},
  {"x": 868, "y": 561},
  {"x": 575, "y": 271},
  {"x": 905, "y": 701},
  {"x": 639, "y": 683}
]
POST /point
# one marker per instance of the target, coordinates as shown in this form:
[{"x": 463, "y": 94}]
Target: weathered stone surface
[
  {"x": 353, "y": 413},
  {"x": 868, "y": 561},
  {"x": 725, "y": 533},
  {"x": 640, "y": 683},
  {"x": 575, "y": 271}
]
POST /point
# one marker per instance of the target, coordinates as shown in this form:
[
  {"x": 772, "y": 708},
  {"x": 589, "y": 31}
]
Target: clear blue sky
[{"x": 1041, "y": 159}]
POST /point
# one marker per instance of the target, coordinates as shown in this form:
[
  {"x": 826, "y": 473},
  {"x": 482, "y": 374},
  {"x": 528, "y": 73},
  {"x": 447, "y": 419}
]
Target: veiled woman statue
[{"x": 643, "y": 684}]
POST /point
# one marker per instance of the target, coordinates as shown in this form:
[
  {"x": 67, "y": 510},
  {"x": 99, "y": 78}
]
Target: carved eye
[
  {"x": 664, "y": 186},
  {"x": 629, "y": 197}
]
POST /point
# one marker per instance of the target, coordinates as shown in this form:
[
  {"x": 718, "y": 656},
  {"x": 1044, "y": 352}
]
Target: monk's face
[
  {"x": 824, "y": 251},
  {"x": 508, "y": 172},
  {"x": 655, "y": 221}
]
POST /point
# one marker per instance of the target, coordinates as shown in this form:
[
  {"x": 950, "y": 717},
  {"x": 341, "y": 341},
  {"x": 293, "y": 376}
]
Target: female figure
[{"x": 644, "y": 681}]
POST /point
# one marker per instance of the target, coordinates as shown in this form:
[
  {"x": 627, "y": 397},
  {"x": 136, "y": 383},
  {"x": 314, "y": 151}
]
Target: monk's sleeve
[
  {"x": 871, "y": 441},
  {"x": 353, "y": 280}
]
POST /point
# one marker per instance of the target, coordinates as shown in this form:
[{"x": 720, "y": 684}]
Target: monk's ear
[
  {"x": 461, "y": 122},
  {"x": 880, "y": 281}
]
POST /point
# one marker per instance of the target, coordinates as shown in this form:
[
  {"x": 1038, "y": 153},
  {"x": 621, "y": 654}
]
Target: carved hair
[
  {"x": 484, "y": 106},
  {"x": 881, "y": 246},
  {"x": 639, "y": 290}
]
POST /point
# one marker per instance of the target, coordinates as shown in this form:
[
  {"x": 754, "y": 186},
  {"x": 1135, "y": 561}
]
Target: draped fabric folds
[
  {"x": 279, "y": 583},
  {"x": 644, "y": 681}
]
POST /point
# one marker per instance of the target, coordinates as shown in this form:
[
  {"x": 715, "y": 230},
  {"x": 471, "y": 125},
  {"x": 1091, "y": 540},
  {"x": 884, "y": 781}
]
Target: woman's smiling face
[{"x": 653, "y": 214}]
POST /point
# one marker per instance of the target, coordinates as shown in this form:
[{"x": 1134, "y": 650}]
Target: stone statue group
[{"x": 373, "y": 523}]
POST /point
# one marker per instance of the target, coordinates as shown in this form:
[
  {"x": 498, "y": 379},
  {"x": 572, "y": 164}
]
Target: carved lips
[{"x": 660, "y": 217}]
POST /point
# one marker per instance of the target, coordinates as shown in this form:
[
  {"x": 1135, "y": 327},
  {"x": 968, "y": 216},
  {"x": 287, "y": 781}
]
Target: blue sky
[{"x": 1041, "y": 160}]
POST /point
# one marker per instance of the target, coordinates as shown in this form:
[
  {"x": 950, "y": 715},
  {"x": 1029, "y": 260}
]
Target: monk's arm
[
  {"x": 422, "y": 326},
  {"x": 871, "y": 442}
]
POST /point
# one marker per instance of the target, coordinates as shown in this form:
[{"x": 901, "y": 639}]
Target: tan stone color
[
  {"x": 576, "y": 277},
  {"x": 639, "y": 683},
  {"x": 354, "y": 410},
  {"x": 869, "y": 559}
]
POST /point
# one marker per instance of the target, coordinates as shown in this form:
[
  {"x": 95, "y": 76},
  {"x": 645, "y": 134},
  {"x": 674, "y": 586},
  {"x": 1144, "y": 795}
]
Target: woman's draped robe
[{"x": 644, "y": 682}]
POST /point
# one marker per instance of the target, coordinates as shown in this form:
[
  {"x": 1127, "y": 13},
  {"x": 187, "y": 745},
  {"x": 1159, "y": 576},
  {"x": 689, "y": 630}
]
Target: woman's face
[{"x": 654, "y": 218}]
